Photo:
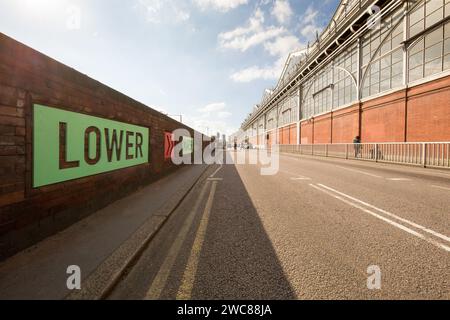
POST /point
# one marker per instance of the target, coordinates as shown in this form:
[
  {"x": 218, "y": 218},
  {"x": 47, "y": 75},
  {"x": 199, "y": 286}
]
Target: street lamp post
[
  {"x": 177, "y": 115},
  {"x": 173, "y": 115}
]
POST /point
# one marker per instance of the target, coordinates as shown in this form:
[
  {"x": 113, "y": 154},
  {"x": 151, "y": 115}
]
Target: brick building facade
[{"x": 383, "y": 76}]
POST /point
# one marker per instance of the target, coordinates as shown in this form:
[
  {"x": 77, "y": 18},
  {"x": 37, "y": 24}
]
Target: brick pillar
[{"x": 360, "y": 120}]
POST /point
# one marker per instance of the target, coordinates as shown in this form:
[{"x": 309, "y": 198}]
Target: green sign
[
  {"x": 69, "y": 145},
  {"x": 188, "y": 145}
]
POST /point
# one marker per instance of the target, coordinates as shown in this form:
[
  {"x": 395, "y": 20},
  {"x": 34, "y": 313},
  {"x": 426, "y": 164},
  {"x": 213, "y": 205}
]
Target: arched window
[
  {"x": 333, "y": 86},
  {"x": 382, "y": 56},
  {"x": 345, "y": 73},
  {"x": 427, "y": 14},
  {"x": 308, "y": 100},
  {"x": 271, "y": 119},
  {"x": 261, "y": 126},
  {"x": 430, "y": 53},
  {"x": 288, "y": 110},
  {"x": 322, "y": 91}
]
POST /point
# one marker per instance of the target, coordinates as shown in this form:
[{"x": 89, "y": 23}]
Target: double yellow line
[{"x": 187, "y": 283}]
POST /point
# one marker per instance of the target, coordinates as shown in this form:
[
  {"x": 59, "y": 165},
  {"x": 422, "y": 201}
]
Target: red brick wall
[
  {"x": 285, "y": 135},
  {"x": 429, "y": 112},
  {"x": 260, "y": 139},
  {"x": 27, "y": 77},
  {"x": 419, "y": 114},
  {"x": 346, "y": 124},
  {"x": 293, "y": 134},
  {"x": 271, "y": 136},
  {"x": 322, "y": 129},
  {"x": 288, "y": 135},
  {"x": 383, "y": 119},
  {"x": 306, "y": 132}
]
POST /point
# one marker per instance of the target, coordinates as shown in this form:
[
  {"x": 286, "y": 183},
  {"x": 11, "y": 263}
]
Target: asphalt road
[{"x": 309, "y": 232}]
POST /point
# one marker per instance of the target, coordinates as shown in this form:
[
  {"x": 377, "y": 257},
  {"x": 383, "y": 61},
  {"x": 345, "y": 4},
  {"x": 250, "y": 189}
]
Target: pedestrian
[{"x": 357, "y": 143}]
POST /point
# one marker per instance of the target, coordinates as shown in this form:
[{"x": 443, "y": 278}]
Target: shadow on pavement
[{"x": 238, "y": 260}]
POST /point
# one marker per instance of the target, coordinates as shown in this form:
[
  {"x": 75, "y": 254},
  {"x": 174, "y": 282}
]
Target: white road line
[
  {"x": 413, "y": 224},
  {"x": 296, "y": 175},
  {"x": 160, "y": 280},
  {"x": 362, "y": 172},
  {"x": 393, "y": 223},
  {"x": 442, "y": 188},
  {"x": 398, "y": 179},
  {"x": 215, "y": 172},
  {"x": 187, "y": 284},
  {"x": 215, "y": 179}
]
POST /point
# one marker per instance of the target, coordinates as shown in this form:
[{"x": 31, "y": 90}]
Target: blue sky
[{"x": 209, "y": 60}]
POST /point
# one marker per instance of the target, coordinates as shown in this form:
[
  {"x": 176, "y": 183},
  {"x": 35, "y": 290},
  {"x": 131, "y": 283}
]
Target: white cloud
[
  {"x": 280, "y": 48},
  {"x": 277, "y": 41},
  {"x": 255, "y": 33},
  {"x": 161, "y": 11},
  {"x": 310, "y": 31},
  {"x": 282, "y": 11},
  {"x": 219, "y": 5},
  {"x": 255, "y": 73},
  {"x": 310, "y": 15},
  {"x": 213, "y": 107},
  {"x": 246, "y": 42},
  {"x": 309, "y": 26},
  {"x": 210, "y": 125},
  {"x": 213, "y": 118},
  {"x": 181, "y": 14},
  {"x": 224, "y": 114}
]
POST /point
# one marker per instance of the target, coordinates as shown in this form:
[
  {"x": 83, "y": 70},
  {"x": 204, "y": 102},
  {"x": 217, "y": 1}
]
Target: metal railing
[{"x": 429, "y": 154}]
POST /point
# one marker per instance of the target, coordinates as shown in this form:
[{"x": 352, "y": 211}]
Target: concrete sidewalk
[{"x": 40, "y": 272}]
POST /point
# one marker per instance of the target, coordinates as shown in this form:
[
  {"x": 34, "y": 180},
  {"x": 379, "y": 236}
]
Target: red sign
[{"x": 169, "y": 145}]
